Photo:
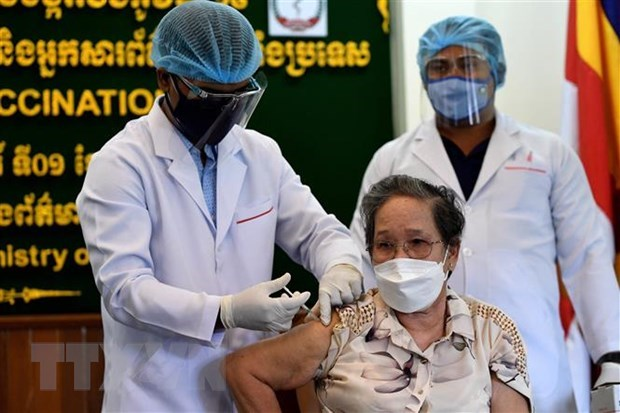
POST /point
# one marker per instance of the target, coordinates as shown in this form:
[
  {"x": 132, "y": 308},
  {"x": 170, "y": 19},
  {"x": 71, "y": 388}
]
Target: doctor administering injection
[{"x": 181, "y": 212}]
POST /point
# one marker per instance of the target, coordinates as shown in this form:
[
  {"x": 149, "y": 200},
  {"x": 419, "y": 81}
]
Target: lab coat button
[
  {"x": 467, "y": 209},
  {"x": 467, "y": 252}
]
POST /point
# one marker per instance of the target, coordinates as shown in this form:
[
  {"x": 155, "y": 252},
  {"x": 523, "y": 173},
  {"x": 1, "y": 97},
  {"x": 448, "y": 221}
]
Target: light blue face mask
[{"x": 458, "y": 98}]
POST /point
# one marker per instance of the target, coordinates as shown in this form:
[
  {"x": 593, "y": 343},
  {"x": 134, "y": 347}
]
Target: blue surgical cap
[
  {"x": 206, "y": 41},
  {"x": 466, "y": 31}
]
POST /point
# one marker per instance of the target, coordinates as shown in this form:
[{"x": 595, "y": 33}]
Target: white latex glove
[
  {"x": 254, "y": 309},
  {"x": 341, "y": 284},
  {"x": 610, "y": 374}
]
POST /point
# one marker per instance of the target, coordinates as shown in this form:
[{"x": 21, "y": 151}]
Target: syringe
[{"x": 305, "y": 307}]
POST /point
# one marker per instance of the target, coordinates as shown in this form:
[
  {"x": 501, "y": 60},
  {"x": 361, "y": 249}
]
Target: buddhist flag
[
  {"x": 591, "y": 113},
  {"x": 591, "y": 123}
]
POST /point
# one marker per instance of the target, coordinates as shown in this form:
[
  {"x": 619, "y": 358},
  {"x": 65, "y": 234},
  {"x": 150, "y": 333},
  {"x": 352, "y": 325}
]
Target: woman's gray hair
[{"x": 445, "y": 206}]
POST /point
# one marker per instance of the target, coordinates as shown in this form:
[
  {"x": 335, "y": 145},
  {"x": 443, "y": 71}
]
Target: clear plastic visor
[
  {"x": 469, "y": 65},
  {"x": 236, "y": 108},
  {"x": 458, "y": 83},
  {"x": 256, "y": 84}
]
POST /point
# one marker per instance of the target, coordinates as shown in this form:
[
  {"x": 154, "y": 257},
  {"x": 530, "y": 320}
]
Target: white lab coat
[
  {"x": 530, "y": 206},
  {"x": 161, "y": 270}
]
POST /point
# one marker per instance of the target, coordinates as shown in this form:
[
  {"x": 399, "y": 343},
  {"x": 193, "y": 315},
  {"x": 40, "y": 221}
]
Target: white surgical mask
[{"x": 409, "y": 285}]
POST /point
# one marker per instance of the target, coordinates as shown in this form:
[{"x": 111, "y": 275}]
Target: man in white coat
[
  {"x": 527, "y": 202},
  {"x": 180, "y": 212}
]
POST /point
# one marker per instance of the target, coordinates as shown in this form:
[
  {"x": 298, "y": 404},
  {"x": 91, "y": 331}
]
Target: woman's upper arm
[
  {"x": 505, "y": 399},
  {"x": 511, "y": 390},
  {"x": 286, "y": 361}
]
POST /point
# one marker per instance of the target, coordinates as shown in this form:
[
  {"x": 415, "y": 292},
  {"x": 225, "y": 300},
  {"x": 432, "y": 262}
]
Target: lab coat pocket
[
  {"x": 157, "y": 368},
  {"x": 253, "y": 236},
  {"x": 525, "y": 168},
  {"x": 521, "y": 191},
  {"x": 252, "y": 213}
]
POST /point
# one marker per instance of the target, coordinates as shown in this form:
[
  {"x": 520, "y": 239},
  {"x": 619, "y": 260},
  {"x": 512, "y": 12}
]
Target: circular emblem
[{"x": 298, "y": 15}]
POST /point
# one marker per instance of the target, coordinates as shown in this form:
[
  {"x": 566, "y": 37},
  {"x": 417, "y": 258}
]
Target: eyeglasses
[
  {"x": 196, "y": 92},
  {"x": 416, "y": 248},
  {"x": 469, "y": 65}
]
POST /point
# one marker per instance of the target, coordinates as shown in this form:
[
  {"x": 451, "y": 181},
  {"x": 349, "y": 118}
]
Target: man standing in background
[{"x": 528, "y": 206}]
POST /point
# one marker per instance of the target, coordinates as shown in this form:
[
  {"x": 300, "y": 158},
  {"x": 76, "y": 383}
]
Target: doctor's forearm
[{"x": 148, "y": 304}]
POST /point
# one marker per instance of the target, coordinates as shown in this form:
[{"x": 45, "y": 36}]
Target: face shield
[
  {"x": 459, "y": 85},
  {"x": 205, "y": 117}
]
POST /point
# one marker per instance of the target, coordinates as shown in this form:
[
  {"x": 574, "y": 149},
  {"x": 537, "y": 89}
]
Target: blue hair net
[
  {"x": 471, "y": 32},
  {"x": 206, "y": 41}
]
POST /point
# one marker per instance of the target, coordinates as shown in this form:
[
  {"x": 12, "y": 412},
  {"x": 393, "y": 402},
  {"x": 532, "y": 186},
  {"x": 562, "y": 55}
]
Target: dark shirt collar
[{"x": 466, "y": 167}]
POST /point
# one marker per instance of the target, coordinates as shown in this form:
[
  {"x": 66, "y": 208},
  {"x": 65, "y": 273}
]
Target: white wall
[{"x": 534, "y": 36}]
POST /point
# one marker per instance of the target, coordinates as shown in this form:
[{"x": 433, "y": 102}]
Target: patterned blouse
[{"x": 373, "y": 363}]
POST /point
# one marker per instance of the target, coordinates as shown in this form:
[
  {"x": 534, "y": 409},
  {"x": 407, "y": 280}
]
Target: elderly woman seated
[{"x": 413, "y": 344}]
